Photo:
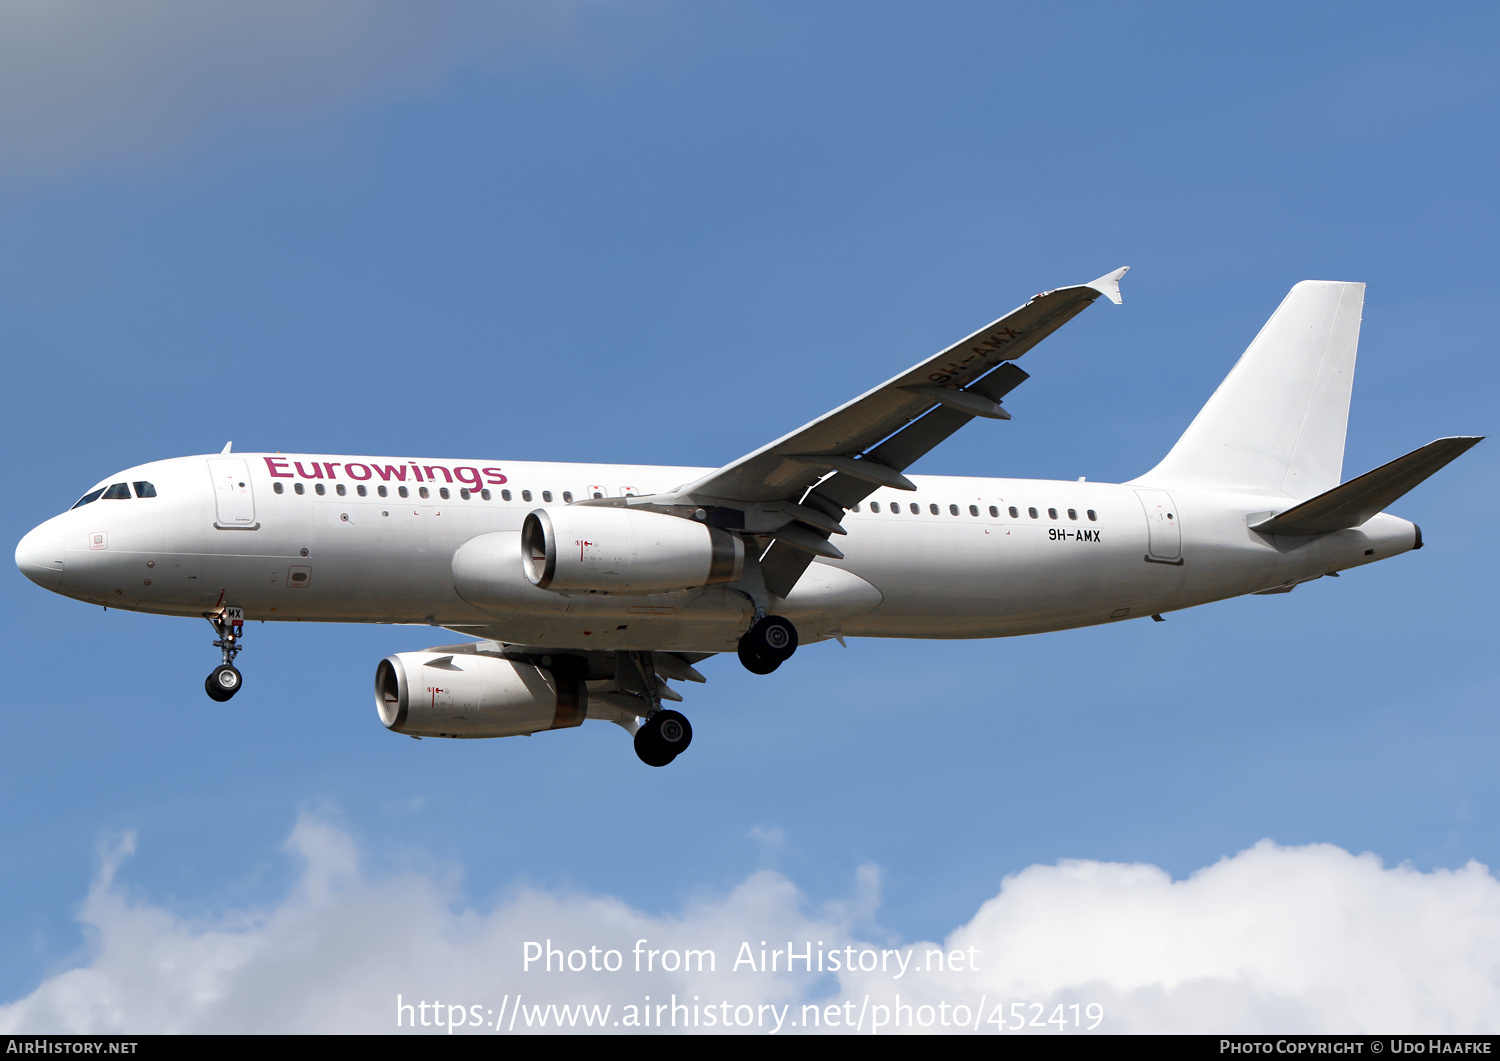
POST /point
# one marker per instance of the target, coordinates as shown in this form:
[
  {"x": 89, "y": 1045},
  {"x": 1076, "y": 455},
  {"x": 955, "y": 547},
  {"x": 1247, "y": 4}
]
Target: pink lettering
[
  {"x": 391, "y": 471},
  {"x": 494, "y": 477},
  {"x": 316, "y": 473},
  {"x": 432, "y": 477},
  {"x": 330, "y": 468},
  {"x": 463, "y": 476},
  {"x": 271, "y": 463},
  {"x": 362, "y": 474}
]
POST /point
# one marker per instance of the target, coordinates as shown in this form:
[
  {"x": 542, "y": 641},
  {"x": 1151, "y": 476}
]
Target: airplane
[{"x": 585, "y": 589}]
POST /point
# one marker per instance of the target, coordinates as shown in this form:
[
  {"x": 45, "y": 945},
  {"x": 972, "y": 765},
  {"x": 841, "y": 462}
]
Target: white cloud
[
  {"x": 1309, "y": 939},
  {"x": 82, "y": 82}
]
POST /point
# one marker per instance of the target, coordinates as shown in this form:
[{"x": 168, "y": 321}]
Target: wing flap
[{"x": 784, "y": 563}]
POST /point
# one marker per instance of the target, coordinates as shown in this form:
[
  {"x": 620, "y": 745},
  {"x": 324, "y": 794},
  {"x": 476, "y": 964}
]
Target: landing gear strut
[
  {"x": 665, "y": 734},
  {"x": 225, "y": 681},
  {"x": 768, "y": 644}
]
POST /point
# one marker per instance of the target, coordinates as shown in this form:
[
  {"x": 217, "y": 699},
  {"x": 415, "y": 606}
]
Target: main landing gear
[
  {"x": 663, "y": 737},
  {"x": 665, "y": 734},
  {"x": 768, "y": 644},
  {"x": 225, "y": 681}
]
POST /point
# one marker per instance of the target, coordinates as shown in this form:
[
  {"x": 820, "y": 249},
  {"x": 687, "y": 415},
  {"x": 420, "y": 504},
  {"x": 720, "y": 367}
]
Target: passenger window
[
  {"x": 525, "y": 495},
  {"x": 144, "y": 490},
  {"x": 547, "y": 496},
  {"x": 485, "y": 493},
  {"x": 874, "y": 506},
  {"x": 422, "y": 493},
  {"x": 341, "y": 489},
  {"x": 403, "y": 491},
  {"x": 504, "y": 495},
  {"x": 916, "y": 509},
  {"x": 973, "y": 510},
  {"x": 1072, "y": 513},
  {"x": 463, "y": 493},
  {"x": 994, "y": 512},
  {"x": 360, "y": 489},
  {"x": 117, "y": 492},
  {"x": 320, "y": 489},
  {"x": 1031, "y": 512},
  {"x": 444, "y": 494},
  {"x": 280, "y": 488},
  {"x": 935, "y": 510},
  {"x": 1052, "y": 513},
  {"x": 382, "y": 491},
  {"x": 953, "y": 510},
  {"x": 854, "y": 508},
  {"x": 93, "y": 496},
  {"x": 895, "y": 508},
  {"x": 568, "y": 497},
  {"x": 1091, "y": 515},
  {"x": 1014, "y": 513},
  {"x": 299, "y": 488}
]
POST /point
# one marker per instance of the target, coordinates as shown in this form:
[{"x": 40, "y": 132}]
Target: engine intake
[
  {"x": 435, "y": 694},
  {"x": 587, "y": 549}
]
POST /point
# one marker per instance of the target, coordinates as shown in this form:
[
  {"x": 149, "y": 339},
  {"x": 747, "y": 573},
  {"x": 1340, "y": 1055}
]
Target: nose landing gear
[
  {"x": 225, "y": 681},
  {"x": 768, "y": 644}
]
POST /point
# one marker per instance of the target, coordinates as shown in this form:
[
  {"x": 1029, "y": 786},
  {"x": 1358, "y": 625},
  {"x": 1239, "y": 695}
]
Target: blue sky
[{"x": 667, "y": 233}]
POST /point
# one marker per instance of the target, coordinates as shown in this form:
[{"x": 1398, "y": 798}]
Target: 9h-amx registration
[{"x": 585, "y": 590}]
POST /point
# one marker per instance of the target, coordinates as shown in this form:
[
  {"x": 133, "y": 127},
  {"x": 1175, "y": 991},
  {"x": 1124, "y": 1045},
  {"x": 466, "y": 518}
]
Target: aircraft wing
[{"x": 867, "y": 443}]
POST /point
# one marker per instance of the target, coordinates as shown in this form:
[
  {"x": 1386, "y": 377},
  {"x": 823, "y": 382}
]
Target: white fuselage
[{"x": 959, "y": 566}]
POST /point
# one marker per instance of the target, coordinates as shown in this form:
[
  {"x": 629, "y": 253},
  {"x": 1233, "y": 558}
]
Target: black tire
[
  {"x": 649, "y": 747},
  {"x": 223, "y": 683},
  {"x": 754, "y": 662},
  {"x": 673, "y": 730},
  {"x": 662, "y": 738},
  {"x": 772, "y": 638}
]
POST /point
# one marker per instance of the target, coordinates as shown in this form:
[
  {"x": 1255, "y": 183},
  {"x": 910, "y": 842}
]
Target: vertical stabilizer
[{"x": 1277, "y": 422}]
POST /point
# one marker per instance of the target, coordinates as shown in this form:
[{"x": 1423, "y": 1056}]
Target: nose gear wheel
[{"x": 223, "y": 683}]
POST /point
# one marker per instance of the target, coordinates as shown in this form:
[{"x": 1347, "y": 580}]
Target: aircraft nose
[{"x": 40, "y": 556}]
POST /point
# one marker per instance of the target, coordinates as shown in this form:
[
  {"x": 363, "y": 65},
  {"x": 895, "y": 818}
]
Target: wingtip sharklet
[{"x": 1108, "y": 285}]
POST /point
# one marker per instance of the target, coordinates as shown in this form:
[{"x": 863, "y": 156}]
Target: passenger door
[
  {"x": 1162, "y": 526},
  {"x": 232, "y": 494}
]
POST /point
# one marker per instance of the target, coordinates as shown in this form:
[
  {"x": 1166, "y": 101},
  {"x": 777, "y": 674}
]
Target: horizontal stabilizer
[{"x": 1358, "y": 500}]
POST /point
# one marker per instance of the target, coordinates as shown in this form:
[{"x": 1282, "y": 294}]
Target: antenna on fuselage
[{"x": 227, "y": 447}]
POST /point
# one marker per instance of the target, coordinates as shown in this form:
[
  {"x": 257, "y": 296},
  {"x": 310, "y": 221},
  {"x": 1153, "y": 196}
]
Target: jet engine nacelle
[
  {"x": 587, "y": 549},
  {"x": 436, "y": 694}
]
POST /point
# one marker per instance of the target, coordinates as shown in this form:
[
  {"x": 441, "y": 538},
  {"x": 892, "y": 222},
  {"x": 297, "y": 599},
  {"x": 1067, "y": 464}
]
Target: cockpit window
[
  {"x": 89, "y": 497},
  {"x": 117, "y": 492},
  {"x": 144, "y": 490}
]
